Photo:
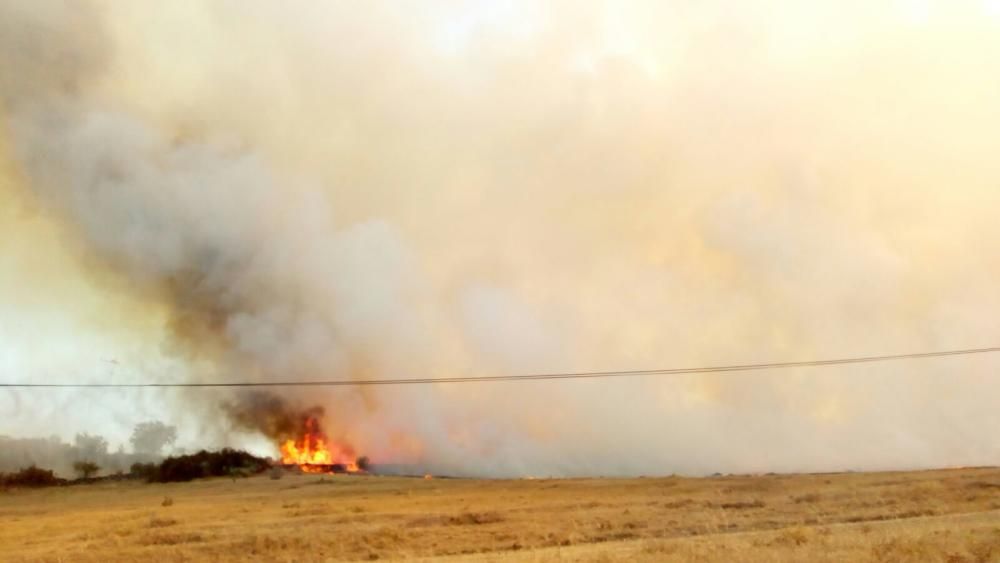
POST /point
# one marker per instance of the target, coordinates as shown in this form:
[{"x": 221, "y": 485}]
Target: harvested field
[{"x": 947, "y": 515}]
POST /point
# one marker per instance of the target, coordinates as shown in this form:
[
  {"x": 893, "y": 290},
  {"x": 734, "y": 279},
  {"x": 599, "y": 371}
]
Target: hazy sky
[{"x": 255, "y": 190}]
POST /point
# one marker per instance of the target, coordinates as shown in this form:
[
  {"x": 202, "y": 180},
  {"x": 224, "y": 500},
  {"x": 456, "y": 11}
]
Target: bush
[
  {"x": 86, "y": 469},
  {"x": 147, "y": 471},
  {"x": 363, "y": 463},
  {"x": 183, "y": 468},
  {"x": 224, "y": 463},
  {"x": 30, "y": 477}
]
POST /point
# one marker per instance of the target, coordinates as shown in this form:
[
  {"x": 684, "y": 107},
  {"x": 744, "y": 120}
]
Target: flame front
[{"x": 314, "y": 453}]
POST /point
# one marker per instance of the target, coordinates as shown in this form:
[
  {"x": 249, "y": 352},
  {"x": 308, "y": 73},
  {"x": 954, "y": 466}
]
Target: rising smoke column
[
  {"x": 458, "y": 194},
  {"x": 246, "y": 267}
]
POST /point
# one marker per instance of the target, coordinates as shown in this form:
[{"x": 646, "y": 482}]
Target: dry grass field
[{"x": 947, "y": 515}]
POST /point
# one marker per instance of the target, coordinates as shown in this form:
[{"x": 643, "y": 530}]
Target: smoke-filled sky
[{"x": 251, "y": 190}]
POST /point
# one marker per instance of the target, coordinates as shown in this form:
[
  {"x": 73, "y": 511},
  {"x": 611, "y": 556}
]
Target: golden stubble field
[{"x": 947, "y": 515}]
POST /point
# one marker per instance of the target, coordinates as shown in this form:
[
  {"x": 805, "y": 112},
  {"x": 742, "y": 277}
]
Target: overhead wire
[{"x": 515, "y": 377}]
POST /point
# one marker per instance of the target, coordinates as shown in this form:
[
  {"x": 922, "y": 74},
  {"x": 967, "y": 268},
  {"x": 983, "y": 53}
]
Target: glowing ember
[{"x": 314, "y": 453}]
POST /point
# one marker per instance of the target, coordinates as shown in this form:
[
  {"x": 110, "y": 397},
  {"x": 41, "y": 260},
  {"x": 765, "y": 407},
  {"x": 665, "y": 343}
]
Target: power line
[{"x": 526, "y": 377}]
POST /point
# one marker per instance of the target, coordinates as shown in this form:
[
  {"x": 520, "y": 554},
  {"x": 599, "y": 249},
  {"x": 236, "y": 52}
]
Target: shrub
[
  {"x": 147, "y": 471},
  {"x": 85, "y": 469},
  {"x": 363, "y": 463},
  {"x": 30, "y": 477},
  {"x": 224, "y": 463},
  {"x": 183, "y": 468}
]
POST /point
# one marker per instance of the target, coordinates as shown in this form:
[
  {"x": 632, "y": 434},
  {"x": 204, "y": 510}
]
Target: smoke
[
  {"x": 272, "y": 415},
  {"x": 254, "y": 192}
]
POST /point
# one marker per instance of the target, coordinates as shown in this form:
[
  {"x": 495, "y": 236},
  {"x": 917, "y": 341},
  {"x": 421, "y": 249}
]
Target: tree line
[{"x": 88, "y": 454}]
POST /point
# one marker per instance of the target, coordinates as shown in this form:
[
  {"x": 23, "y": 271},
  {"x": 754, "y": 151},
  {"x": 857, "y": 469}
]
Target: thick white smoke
[{"x": 262, "y": 193}]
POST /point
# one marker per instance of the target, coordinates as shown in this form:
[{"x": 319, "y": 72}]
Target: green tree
[{"x": 86, "y": 469}]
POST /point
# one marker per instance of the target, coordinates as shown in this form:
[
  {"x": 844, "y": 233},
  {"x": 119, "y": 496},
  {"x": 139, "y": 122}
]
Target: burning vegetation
[
  {"x": 313, "y": 452},
  {"x": 298, "y": 432}
]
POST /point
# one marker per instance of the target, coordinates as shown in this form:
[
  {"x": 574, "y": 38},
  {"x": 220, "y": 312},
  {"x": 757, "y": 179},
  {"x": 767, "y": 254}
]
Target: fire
[{"x": 313, "y": 452}]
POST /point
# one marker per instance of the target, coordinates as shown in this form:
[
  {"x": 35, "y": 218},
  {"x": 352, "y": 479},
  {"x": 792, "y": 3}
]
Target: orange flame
[{"x": 314, "y": 453}]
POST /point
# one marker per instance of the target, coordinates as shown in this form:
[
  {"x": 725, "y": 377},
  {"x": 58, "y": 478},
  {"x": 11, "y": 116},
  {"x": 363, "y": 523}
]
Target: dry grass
[{"x": 950, "y": 516}]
